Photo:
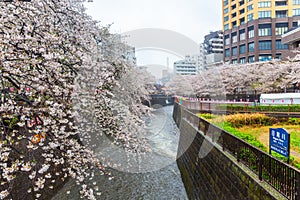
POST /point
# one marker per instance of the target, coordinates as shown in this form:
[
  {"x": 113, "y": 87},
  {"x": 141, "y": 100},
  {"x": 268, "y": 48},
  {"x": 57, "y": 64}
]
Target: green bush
[
  {"x": 294, "y": 121},
  {"x": 207, "y": 115},
  {"x": 261, "y": 108},
  {"x": 227, "y": 126}
]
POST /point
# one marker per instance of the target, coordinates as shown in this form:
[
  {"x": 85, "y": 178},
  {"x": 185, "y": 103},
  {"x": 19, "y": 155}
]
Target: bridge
[{"x": 161, "y": 99}]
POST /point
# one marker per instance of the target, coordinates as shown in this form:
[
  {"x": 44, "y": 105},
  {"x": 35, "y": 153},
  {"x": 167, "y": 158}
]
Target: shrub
[
  {"x": 261, "y": 108},
  {"x": 294, "y": 121},
  {"x": 207, "y": 115},
  {"x": 239, "y": 120}
]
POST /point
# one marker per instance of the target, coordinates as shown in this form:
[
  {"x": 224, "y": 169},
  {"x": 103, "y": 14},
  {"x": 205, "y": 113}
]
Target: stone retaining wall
[{"x": 217, "y": 175}]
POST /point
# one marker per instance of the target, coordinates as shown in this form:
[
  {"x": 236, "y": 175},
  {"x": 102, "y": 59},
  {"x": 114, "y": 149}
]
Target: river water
[{"x": 163, "y": 181}]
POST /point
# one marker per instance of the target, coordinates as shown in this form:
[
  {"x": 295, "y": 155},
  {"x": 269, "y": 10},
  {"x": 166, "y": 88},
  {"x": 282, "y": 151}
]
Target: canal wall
[{"x": 216, "y": 175}]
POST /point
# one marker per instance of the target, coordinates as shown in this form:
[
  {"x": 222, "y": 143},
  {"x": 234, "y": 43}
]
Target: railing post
[
  {"x": 205, "y": 129},
  {"x": 223, "y": 140},
  {"x": 237, "y": 150},
  {"x": 297, "y": 194},
  {"x": 260, "y": 164}
]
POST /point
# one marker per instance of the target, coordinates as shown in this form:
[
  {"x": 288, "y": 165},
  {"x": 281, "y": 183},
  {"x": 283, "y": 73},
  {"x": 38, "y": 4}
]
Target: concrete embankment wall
[{"x": 216, "y": 175}]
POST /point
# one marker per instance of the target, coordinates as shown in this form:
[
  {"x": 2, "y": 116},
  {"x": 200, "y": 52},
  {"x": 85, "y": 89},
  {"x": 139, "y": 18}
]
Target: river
[{"x": 163, "y": 181}]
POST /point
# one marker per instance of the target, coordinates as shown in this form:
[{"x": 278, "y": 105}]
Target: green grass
[
  {"x": 244, "y": 136},
  {"x": 265, "y": 108},
  {"x": 258, "y": 136}
]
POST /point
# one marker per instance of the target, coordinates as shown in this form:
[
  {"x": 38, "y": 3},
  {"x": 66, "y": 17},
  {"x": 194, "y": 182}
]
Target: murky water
[{"x": 160, "y": 180}]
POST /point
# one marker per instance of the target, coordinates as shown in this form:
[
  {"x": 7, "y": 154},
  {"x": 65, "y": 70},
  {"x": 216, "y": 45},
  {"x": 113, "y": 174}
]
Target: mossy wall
[{"x": 216, "y": 175}]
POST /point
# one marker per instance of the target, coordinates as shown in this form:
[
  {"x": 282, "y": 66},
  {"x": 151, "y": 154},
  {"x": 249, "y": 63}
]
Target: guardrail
[
  {"x": 284, "y": 178},
  {"x": 239, "y": 107}
]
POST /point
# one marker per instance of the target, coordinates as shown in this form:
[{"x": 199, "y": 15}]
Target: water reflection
[{"x": 161, "y": 180}]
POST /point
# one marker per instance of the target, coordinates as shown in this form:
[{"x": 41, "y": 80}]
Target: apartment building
[
  {"x": 253, "y": 28},
  {"x": 213, "y": 43},
  {"x": 188, "y": 66}
]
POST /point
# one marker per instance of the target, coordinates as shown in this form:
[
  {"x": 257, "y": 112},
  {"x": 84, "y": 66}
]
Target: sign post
[{"x": 280, "y": 142}]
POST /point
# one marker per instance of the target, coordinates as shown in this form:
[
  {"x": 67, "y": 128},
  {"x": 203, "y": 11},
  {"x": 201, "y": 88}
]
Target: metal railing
[
  {"x": 284, "y": 178},
  {"x": 240, "y": 107}
]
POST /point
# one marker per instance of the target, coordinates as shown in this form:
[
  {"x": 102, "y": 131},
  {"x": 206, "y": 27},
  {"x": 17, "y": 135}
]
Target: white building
[
  {"x": 202, "y": 58},
  {"x": 213, "y": 60},
  {"x": 280, "y": 98},
  {"x": 130, "y": 55},
  {"x": 188, "y": 66}
]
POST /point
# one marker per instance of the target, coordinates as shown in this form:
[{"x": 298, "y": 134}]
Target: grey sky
[{"x": 191, "y": 18}]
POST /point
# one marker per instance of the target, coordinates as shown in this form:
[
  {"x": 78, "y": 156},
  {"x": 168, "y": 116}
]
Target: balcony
[{"x": 292, "y": 36}]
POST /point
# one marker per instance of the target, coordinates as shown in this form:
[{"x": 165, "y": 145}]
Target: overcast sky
[{"x": 191, "y": 18}]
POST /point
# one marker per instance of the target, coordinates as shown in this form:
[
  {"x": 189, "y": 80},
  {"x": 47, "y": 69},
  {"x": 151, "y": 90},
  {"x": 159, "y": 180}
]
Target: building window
[
  {"x": 279, "y": 45},
  {"x": 296, "y": 2},
  {"x": 226, "y": 18},
  {"x": 227, "y": 52},
  {"x": 242, "y": 35},
  {"x": 265, "y": 45},
  {"x": 234, "y": 51},
  {"x": 278, "y": 56},
  {"x": 225, "y": 2},
  {"x": 281, "y": 13},
  {"x": 251, "y": 59},
  {"x": 264, "y": 14},
  {"x": 250, "y": 17},
  {"x": 242, "y": 49},
  {"x": 226, "y": 27},
  {"x": 225, "y": 10},
  {"x": 251, "y": 32},
  {"x": 242, "y": 21},
  {"x": 281, "y": 28},
  {"x": 295, "y": 24},
  {"x": 264, "y": 30},
  {"x": 251, "y": 47},
  {"x": 264, "y": 4},
  {"x": 242, "y": 2},
  {"x": 280, "y": 3},
  {"x": 227, "y": 40},
  {"x": 233, "y": 7},
  {"x": 242, "y": 11},
  {"x": 234, "y": 37},
  {"x": 250, "y": 7},
  {"x": 234, "y": 61},
  {"x": 233, "y": 15},
  {"x": 264, "y": 57},
  {"x": 296, "y": 12},
  {"x": 242, "y": 60},
  {"x": 233, "y": 24}
]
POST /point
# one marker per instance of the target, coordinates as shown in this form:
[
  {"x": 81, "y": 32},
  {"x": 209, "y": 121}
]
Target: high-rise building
[
  {"x": 213, "y": 44},
  {"x": 253, "y": 28},
  {"x": 188, "y": 66}
]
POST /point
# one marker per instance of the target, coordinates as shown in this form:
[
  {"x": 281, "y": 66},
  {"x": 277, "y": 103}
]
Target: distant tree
[
  {"x": 180, "y": 85},
  {"x": 262, "y": 77}
]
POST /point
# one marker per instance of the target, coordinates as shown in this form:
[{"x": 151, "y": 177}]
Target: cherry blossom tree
[
  {"x": 262, "y": 77},
  {"x": 49, "y": 52},
  {"x": 180, "y": 85}
]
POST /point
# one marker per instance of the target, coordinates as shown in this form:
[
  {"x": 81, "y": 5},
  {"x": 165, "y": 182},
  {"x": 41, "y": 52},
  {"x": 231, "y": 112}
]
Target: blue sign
[{"x": 279, "y": 141}]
